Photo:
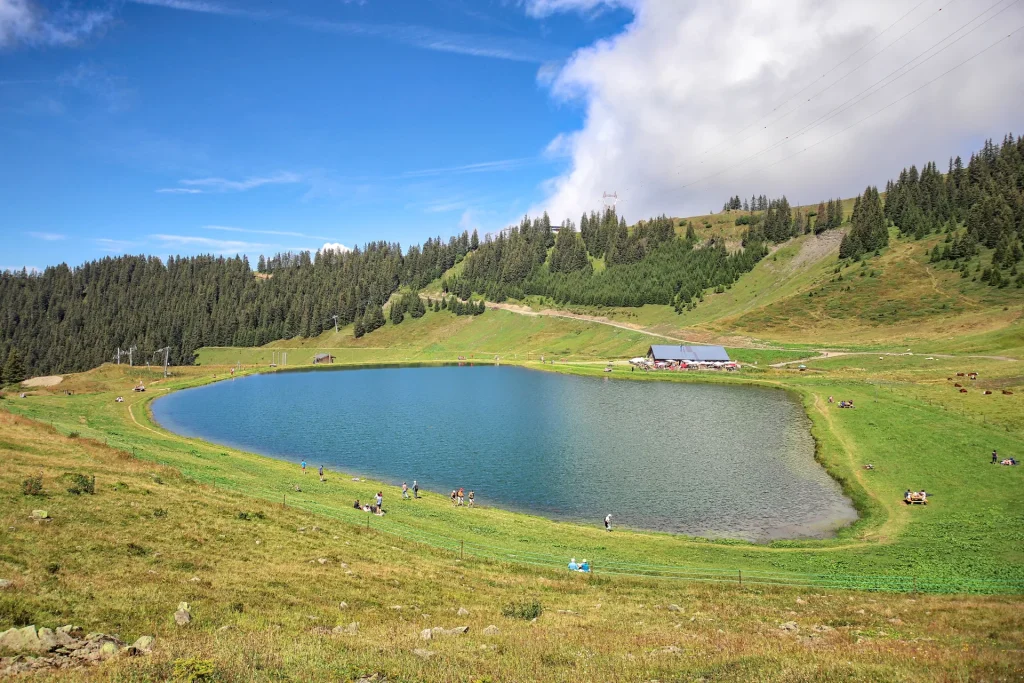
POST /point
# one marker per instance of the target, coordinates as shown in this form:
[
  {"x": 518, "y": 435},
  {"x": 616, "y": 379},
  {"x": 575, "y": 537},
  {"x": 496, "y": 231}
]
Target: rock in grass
[
  {"x": 108, "y": 649},
  {"x": 47, "y": 640},
  {"x": 183, "y": 616},
  {"x": 463, "y": 612},
  {"x": 6, "y": 584},
  {"x": 343, "y": 605},
  {"x": 789, "y": 627},
  {"x": 40, "y": 514},
  {"x": 675, "y": 608},
  {"x": 422, "y": 653},
  {"x": 351, "y": 629},
  {"x": 801, "y": 601},
  {"x": 20, "y": 640},
  {"x": 142, "y": 646},
  {"x": 426, "y": 634},
  {"x": 491, "y": 630}
]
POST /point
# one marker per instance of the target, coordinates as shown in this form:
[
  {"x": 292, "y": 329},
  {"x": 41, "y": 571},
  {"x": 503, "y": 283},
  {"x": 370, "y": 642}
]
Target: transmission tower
[
  {"x": 335, "y": 323},
  {"x": 131, "y": 350},
  {"x": 610, "y": 199},
  {"x": 118, "y": 354}
]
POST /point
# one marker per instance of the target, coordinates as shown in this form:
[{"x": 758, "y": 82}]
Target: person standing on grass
[
  {"x": 995, "y": 457},
  {"x": 471, "y": 498},
  {"x": 608, "y": 523},
  {"x": 380, "y": 500},
  {"x": 462, "y": 496},
  {"x": 405, "y": 491},
  {"x": 415, "y": 489},
  {"x": 303, "y": 466},
  {"x": 321, "y": 472}
]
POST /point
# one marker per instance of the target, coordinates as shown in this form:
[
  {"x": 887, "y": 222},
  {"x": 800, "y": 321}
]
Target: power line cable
[
  {"x": 842, "y": 107},
  {"x": 848, "y": 58}
]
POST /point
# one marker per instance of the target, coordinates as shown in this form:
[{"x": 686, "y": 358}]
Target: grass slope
[{"x": 264, "y": 605}]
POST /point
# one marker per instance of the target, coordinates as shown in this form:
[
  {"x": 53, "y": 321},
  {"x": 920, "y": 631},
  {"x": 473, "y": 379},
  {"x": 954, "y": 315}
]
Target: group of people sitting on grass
[
  {"x": 583, "y": 566},
  {"x": 459, "y": 497},
  {"x": 377, "y": 508},
  {"x": 915, "y": 497}
]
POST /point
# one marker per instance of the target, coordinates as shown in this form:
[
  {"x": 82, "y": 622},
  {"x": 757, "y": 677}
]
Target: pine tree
[{"x": 14, "y": 369}]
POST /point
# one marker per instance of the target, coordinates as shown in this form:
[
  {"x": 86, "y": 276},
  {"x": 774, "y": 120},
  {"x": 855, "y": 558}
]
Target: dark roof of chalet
[{"x": 686, "y": 352}]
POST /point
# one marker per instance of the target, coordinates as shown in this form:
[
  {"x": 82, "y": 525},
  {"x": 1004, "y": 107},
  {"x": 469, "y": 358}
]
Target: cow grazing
[
  {"x": 963, "y": 391},
  {"x": 1007, "y": 392},
  {"x": 958, "y": 385},
  {"x": 959, "y": 374}
]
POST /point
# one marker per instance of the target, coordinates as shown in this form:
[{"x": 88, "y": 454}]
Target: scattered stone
[
  {"x": 46, "y": 648},
  {"x": 426, "y": 634},
  {"x": 302, "y": 529},
  {"x": 351, "y": 629},
  {"x": 463, "y": 612},
  {"x": 675, "y": 608},
  {"x": 801, "y": 601},
  {"x": 142, "y": 646},
  {"x": 860, "y": 611},
  {"x": 316, "y": 528},
  {"x": 258, "y": 541},
  {"x": 343, "y": 605},
  {"x": 183, "y": 616},
  {"x": 47, "y": 640},
  {"x": 896, "y": 621},
  {"x": 822, "y": 628},
  {"x": 491, "y": 630},
  {"x": 789, "y": 626},
  {"x": 20, "y": 640},
  {"x": 322, "y": 560},
  {"x": 227, "y": 627},
  {"x": 312, "y": 617},
  {"x": 355, "y": 478},
  {"x": 567, "y": 611},
  {"x": 195, "y": 579},
  {"x": 40, "y": 514},
  {"x": 397, "y": 608},
  {"x": 458, "y": 630},
  {"x": 422, "y": 653},
  {"x": 108, "y": 649},
  {"x": 6, "y": 584},
  {"x": 298, "y": 488}
]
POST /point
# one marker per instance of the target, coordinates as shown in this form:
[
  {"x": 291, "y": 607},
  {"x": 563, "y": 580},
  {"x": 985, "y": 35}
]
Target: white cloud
[
  {"x": 544, "y": 8},
  {"x": 336, "y": 247},
  {"x": 695, "y": 102},
  {"x": 480, "y": 167},
  {"x": 214, "y": 245},
  {"x": 24, "y": 23},
  {"x": 46, "y": 236},
  {"x": 208, "y": 185},
  {"x": 283, "y": 233}
]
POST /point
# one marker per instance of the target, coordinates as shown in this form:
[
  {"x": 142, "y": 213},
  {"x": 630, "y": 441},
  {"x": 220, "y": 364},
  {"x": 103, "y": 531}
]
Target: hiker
[
  {"x": 303, "y": 466},
  {"x": 995, "y": 458},
  {"x": 470, "y": 499},
  {"x": 831, "y": 400},
  {"x": 462, "y": 496},
  {"x": 585, "y": 567},
  {"x": 321, "y": 472},
  {"x": 405, "y": 491},
  {"x": 380, "y": 500},
  {"x": 415, "y": 489},
  {"x": 455, "y": 496},
  {"x": 357, "y": 506},
  {"x": 572, "y": 565},
  {"x": 608, "y": 523},
  {"x": 906, "y": 496}
]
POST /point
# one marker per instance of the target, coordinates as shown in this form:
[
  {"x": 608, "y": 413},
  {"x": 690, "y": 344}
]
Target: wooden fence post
[{"x": 741, "y": 576}]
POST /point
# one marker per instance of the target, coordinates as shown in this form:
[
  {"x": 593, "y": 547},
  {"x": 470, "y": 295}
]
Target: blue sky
[
  {"x": 175, "y": 126},
  {"x": 252, "y": 126}
]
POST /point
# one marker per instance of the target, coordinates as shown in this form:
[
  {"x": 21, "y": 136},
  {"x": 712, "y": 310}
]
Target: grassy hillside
[
  {"x": 264, "y": 606},
  {"x": 164, "y": 526},
  {"x": 795, "y": 297}
]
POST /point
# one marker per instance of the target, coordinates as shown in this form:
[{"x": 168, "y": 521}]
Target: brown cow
[
  {"x": 986, "y": 392},
  {"x": 963, "y": 391},
  {"x": 1007, "y": 392},
  {"x": 959, "y": 374},
  {"x": 958, "y": 385}
]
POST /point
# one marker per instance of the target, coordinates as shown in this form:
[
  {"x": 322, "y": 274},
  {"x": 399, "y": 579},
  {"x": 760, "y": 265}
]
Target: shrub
[
  {"x": 79, "y": 483},
  {"x": 136, "y": 550},
  {"x": 243, "y": 515},
  {"x": 237, "y": 607},
  {"x": 53, "y": 568},
  {"x": 120, "y": 486},
  {"x": 15, "y": 612},
  {"x": 159, "y": 513},
  {"x": 522, "y": 610},
  {"x": 33, "y": 486},
  {"x": 193, "y": 670},
  {"x": 73, "y": 435}
]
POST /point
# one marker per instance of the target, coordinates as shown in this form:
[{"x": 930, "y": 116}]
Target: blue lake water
[{"x": 702, "y": 459}]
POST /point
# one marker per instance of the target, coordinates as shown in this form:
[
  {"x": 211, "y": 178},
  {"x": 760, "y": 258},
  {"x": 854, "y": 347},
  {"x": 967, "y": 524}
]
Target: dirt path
[
  {"x": 835, "y": 354},
  {"x": 552, "y": 313}
]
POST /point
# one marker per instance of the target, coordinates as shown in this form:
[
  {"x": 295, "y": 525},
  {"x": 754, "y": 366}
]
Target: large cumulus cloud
[{"x": 677, "y": 104}]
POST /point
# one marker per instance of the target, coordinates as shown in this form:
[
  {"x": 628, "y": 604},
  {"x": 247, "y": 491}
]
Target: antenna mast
[{"x": 166, "y": 351}]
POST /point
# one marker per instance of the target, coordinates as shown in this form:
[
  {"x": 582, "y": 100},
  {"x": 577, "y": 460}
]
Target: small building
[
  {"x": 670, "y": 353},
  {"x": 322, "y": 358}
]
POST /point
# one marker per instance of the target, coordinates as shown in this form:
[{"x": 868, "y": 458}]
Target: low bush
[
  {"x": 136, "y": 550},
  {"x": 73, "y": 435},
  {"x": 159, "y": 513},
  {"x": 33, "y": 486},
  {"x": 193, "y": 670},
  {"x": 522, "y": 610},
  {"x": 79, "y": 483}
]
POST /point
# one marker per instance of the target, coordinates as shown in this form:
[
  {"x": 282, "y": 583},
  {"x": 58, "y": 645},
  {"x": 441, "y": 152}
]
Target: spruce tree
[{"x": 14, "y": 369}]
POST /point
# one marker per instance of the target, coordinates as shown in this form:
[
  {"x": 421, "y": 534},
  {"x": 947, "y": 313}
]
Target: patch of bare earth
[
  {"x": 48, "y": 381},
  {"x": 817, "y": 248}
]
